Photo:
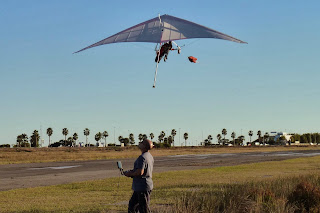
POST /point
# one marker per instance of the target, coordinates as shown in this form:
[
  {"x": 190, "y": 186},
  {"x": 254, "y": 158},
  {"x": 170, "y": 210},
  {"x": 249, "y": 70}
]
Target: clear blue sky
[{"x": 271, "y": 83}]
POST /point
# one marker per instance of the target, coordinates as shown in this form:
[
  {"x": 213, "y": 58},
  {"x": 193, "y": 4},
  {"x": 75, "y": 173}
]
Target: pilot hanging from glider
[
  {"x": 161, "y": 29},
  {"x": 164, "y": 51}
]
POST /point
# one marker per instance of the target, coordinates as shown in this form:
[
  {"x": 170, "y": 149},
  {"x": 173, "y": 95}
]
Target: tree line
[
  {"x": 264, "y": 139},
  {"x": 163, "y": 140},
  {"x": 33, "y": 141}
]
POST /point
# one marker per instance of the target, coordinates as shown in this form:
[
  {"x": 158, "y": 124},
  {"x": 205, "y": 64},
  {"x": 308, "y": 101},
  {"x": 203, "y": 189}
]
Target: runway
[{"x": 14, "y": 176}]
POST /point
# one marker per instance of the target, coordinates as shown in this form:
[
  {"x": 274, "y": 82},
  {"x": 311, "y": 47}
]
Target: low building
[{"x": 276, "y": 135}]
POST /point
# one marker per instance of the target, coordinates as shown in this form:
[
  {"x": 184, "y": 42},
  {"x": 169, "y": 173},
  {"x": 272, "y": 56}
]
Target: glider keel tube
[{"x": 155, "y": 76}]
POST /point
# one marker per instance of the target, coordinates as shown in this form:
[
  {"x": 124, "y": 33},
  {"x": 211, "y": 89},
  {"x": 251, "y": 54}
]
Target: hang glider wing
[{"x": 162, "y": 29}]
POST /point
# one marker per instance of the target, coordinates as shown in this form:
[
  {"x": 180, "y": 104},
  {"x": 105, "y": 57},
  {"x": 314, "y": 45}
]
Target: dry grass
[
  {"x": 36, "y": 155},
  {"x": 285, "y": 195},
  {"x": 113, "y": 193}
]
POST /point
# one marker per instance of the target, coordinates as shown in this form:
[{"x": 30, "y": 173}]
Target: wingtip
[
  {"x": 243, "y": 42},
  {"x": 77, "y": 51}
]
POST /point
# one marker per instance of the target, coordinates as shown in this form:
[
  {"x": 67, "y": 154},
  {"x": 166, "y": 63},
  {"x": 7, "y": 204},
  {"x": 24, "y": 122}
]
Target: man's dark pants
[{"x": 139, "y": 202}]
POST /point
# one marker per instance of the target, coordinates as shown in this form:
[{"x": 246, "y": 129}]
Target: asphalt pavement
[{"x": 13, "y": 176}]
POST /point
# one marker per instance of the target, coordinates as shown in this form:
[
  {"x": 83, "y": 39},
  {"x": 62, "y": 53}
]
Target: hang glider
[{"x": 163, "y": 29}]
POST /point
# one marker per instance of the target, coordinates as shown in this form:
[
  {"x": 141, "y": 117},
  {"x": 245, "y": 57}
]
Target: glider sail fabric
[
  {"x": 162, "y": 29},
  {"x": 175, "y": 29}
]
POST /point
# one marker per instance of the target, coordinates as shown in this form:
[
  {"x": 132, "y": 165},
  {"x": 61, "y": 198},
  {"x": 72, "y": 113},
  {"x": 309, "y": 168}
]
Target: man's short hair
[{"x": 148, "y": 144}]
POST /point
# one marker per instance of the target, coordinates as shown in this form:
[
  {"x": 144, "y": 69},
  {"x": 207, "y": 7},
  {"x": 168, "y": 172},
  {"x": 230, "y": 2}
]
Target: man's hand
[{"x": 127, "y": 173}]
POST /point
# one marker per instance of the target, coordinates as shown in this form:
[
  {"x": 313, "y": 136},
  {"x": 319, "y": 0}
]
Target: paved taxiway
[{"x": 15, "y": 176}]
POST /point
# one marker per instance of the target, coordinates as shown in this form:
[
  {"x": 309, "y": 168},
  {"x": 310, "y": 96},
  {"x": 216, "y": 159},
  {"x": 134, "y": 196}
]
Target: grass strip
[
  {"x": 112, "y": 194},
  {"x": 285, "y": 195}
]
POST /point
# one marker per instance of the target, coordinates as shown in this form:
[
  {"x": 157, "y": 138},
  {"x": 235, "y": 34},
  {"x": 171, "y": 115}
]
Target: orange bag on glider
[{"x": 192, "y": 59}]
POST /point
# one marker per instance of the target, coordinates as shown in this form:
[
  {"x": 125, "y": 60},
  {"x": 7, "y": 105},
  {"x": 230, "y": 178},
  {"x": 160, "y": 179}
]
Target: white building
[{"x": 277, "y": 135}]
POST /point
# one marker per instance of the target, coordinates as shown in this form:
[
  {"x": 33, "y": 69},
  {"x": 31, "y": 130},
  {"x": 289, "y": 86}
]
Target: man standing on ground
[{"x": 142, "y": 179}]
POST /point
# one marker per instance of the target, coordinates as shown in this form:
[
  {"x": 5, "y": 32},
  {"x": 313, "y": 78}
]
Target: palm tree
[
  {"x": 34, "y": 139},
  {"x": 161, "y": 136},
  {"x": 173, "y": 133},
  {"x": 224, "y": 132},
  {"x": 165, "y": 140},
  {"x": 140, "y": 137},
  {"x": 49, "y": 133},
  {"x": 86, "y": 132},
  {"x": 151, "y": 136},
  {"x": 65, "y": 132},
  {"x": 207, "y": 142},
  {"x": 266, "y": 137},
  {"x": 233, "y": 135},
  {"x": 131, "y": 138},
  {"x": 219, "y": 138},
  {"x": 69, "y": 141},
  {"x": 98, "y": 137},
  {"x": 259, "y": 135},
  {"x": 250, "y": 133},
  {"x": 19, "y": 140},
  {"x": 105, "y": 135},
  {"x": 185, "y": 136},
  {"x": 75, "y": 138},
  {"x": 144, "y": 137}
]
